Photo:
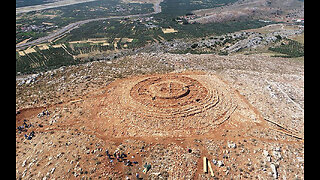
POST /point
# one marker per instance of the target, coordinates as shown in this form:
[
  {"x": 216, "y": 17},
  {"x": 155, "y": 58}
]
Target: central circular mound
[
  {"x": 170, "y": 95},
  {"x": 168, "y": 90}
]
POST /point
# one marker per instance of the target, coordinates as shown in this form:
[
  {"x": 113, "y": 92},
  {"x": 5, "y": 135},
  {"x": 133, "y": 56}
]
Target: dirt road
[{"x": 77, "y": 24}]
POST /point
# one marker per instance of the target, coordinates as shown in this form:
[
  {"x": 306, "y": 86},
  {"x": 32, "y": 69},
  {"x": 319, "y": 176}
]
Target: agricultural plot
[
  {"x": 168, "y": 30},
  {"x": 126, "y": 33},
  {"x": 23, "y": 3},
  {"x": 48, "y": 56},
  {"x": 181, "y": 7},
  {"x": 30, "y": 25},
  {"x": 289, "y": 48},
  {"x": 105, "y": 36},
  {"x": 34, "y": 59}
]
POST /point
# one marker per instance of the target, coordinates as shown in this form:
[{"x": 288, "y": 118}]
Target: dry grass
[{"x": 168, "y": 30}]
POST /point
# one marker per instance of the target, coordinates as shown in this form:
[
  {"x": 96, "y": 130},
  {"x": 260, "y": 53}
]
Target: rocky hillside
[
  {"x": 59, "y": 135},
  {"x": 262, "y": 9}
]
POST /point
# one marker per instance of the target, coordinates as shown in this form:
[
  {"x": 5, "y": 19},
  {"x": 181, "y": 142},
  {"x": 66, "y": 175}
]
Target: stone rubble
[{"x": 67, "y": 146}]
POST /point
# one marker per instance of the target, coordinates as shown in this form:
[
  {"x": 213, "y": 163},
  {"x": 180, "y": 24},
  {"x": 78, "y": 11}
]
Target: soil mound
[{"x": 175, "y": 104}]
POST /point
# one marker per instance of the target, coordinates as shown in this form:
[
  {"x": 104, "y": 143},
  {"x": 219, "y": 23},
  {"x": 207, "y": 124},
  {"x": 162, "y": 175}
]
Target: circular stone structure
[
  {"x": 165, "y": 104},
  {"x": 167, "y": 90},
  {"x": 169, "y": 93}
]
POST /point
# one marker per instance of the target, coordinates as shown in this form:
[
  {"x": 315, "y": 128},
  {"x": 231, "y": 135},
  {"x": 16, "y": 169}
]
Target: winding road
[{"x": 68, "y": 28}]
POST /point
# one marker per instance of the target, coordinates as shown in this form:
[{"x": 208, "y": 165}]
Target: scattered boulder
[
  {"x": 232, "y": 145},
  {"x": 274, "y": 171}
]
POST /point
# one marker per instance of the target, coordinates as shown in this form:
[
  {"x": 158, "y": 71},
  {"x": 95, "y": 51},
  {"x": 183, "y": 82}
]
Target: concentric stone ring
[
  {"x": 169, "y": 90},
  {"x": 164, "y": 104},
  {"x": 175, "y": 96}
]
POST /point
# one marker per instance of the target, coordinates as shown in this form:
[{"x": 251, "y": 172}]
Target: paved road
[{"x": 68, "y": 28}]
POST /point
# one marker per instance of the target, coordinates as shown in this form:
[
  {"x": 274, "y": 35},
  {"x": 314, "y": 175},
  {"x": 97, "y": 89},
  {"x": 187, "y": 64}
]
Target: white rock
[
  {"x": 265, "y": 153},
  {"x": 268, "y": 158},
  {"x": 274, "y": 171},
  {"x": 24, "y": 163},
  {"x": 214, "y": 161},
  {"x": 232, "y": 145},
  {"x": 220, "y": 163},
  {"x": 277, "y": 154},
  {"x": 300, "y": 159},
  {"x": 52, "y": 170}
]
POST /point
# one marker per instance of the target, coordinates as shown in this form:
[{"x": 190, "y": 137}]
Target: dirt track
[{"x": 66, "y": 29}]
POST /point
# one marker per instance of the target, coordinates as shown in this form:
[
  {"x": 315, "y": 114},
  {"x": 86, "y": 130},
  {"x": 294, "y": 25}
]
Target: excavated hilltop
[{"x": 244, "y": 113}]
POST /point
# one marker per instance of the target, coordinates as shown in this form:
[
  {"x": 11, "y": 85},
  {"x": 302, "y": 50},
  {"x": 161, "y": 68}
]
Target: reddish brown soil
[{"x": 153, "y": 118}]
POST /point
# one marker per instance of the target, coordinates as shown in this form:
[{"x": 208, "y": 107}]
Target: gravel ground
[{"x": 262, "y": 139}]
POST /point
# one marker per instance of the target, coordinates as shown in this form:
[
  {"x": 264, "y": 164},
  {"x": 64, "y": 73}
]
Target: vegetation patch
[{"x": 289, "y": 48}]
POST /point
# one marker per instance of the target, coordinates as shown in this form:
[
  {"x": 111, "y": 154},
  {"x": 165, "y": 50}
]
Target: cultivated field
[{"x": 49, "y": 5}]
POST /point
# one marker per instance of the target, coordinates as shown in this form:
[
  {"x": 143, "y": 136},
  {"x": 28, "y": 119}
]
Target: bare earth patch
[{"x": 243, "y": 113}]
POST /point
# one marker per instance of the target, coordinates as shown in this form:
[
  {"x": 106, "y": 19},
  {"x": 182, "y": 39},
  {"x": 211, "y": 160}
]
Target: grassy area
[
  {"x": 182, "y": 7},
  {"x": 142, "y": 34},
  {"x": 22, "y": 3},
  {"x": 113, "y": 33},
  {"x": 31, "y": 24},
  {"x": 141, "y": 30},
  {"x": 298, "y": 38},
  {"x": 289, "y": 48},
  {"x": 43, "y": 60}
]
